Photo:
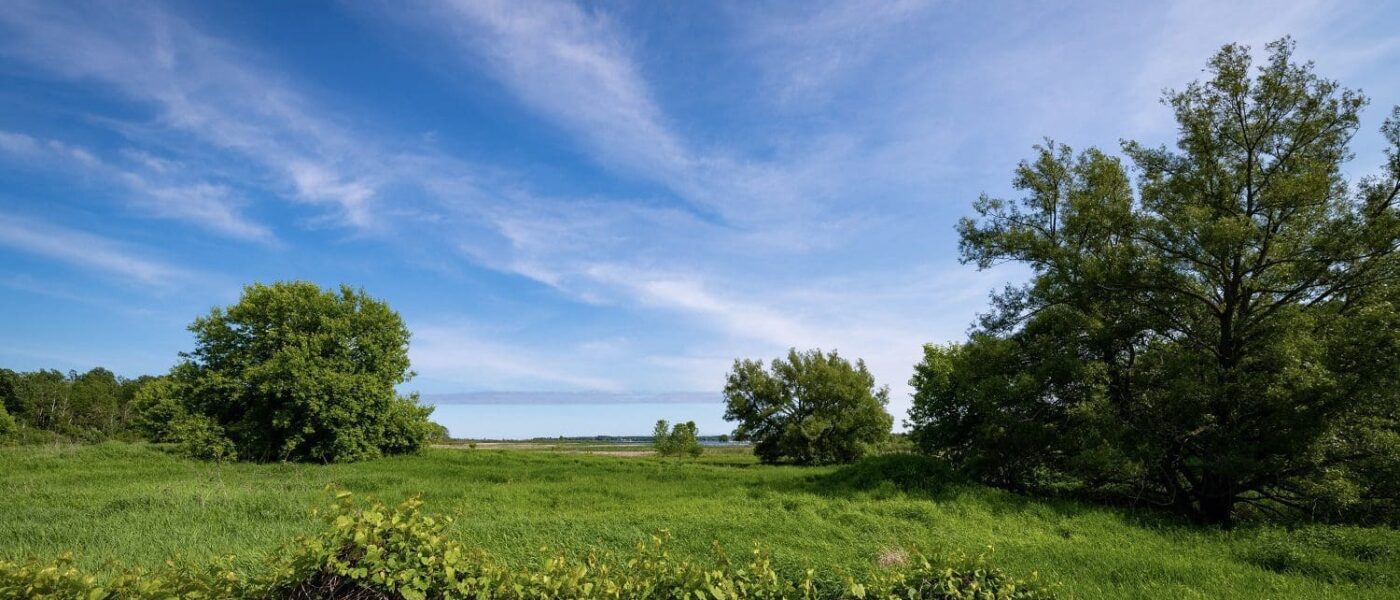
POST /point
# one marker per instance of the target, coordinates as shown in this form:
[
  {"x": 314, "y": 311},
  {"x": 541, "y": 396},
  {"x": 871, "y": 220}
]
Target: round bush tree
[
  {"x": 813, "y": 408},
  {"x": 295, "y": 372}
]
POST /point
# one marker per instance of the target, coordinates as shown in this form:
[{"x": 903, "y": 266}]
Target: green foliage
[
  {"x": 1225, "y": 337},
  {"x": 681, "y": 440},
  {"x": 294, "y": 372},
  {"x": 9, "y": 430},
  {"x": 377, "y": 551},
  {"x": 909, "y": 473},
  {"x": 812, "y": 408},
  {"x": 975, "y": 405},
  {"x": 436, "y": 433},
  {"x": 1337, "y": 555},
  {"x": 49, "y": 405},
  {"x": 59, "y": 579},
  {"x": 158, "y": 405},
  {"x": 200, "y": 437}
]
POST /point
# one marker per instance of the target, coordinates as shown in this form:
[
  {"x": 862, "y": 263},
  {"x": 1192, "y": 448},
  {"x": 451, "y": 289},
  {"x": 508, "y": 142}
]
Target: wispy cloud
[
  {"x": 467, "y": 356},
  {"x": 213, "y": 206},
  {"x": 152, "y": 186},
  {"x": 688, "y": 294},
  {"x": 85, "y": 250},
  {"x": 809, "y": 47},
  {"x": 204, "y": 89},
  {"x": 574, "y": 66},
  {"x": 577, "y": 68}
]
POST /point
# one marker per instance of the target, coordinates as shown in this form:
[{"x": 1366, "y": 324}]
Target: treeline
[{"x": 49, "y": 405}]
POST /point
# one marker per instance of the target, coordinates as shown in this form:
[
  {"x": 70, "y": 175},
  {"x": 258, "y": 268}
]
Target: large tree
[
  {"x": 294, "y": 372},
  {"x": 812, "y": 408},
  {"x": 1212, "y": 338}
]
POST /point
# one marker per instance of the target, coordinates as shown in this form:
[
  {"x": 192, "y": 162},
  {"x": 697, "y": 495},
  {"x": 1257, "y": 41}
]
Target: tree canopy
[
  {"x": 50, "y": 405},
  {"x": 812, "y": 408},
  {"x": 1220, "y": 329},
  {"x": 294, "y": 372}
]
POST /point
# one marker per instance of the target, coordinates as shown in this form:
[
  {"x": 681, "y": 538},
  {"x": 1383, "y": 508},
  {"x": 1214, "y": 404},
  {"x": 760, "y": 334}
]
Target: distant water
[{"x": 572, "y": 418}]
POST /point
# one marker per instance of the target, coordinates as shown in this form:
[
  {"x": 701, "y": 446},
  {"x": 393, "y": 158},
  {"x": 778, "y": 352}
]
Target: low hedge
[{"x": 374, "y": 551}]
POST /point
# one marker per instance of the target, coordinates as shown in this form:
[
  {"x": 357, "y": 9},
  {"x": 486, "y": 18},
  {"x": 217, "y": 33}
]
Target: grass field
[{"x": 139, "y": 505}]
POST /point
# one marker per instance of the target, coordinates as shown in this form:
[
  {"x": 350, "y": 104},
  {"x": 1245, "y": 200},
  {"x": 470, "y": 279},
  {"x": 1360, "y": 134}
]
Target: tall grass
[{"x": 139, "y": 505}]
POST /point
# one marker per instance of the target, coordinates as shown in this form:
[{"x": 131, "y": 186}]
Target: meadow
[{"x": 140, "y": 505}]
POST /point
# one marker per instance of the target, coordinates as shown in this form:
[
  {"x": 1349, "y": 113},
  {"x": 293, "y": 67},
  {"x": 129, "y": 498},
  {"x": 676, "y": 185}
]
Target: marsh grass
[{"x": 140, "y": 505}]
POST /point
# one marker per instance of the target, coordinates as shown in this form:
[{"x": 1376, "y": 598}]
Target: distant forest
[{"x": 50, "y": 405}]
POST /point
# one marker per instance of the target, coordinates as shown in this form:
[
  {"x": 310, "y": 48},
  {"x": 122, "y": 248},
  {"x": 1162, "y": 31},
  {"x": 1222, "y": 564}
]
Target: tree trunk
[{"x": 1215, "y": 503}]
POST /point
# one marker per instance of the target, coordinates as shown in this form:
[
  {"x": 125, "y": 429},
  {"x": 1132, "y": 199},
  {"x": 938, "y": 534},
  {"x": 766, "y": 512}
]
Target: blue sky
[{"x": 615, "y": 198}]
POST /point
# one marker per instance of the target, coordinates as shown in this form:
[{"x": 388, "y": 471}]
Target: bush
[
  {"x": 437, "y": 433},
  {"x": 9, "y": 430},
  {"x": 158, "y": 405},
  {"x": 812, "y": 408},
  {"x": 681, "y": 440},
  {"x": 198, "y": 436},
  {"x": 400, "y": 553},
  {"x": 910, "y": 473},
  {"x": 294, "y": 372}
]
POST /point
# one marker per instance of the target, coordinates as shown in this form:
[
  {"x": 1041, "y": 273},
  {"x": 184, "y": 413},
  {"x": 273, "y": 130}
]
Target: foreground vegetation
[
  {"x": 141, "y": 505},
  {"x": 400, "y": 553}
]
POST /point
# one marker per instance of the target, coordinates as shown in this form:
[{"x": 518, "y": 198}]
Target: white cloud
[
  {"x": 575, "y": 67},
  {"x": 810, "y": 47},
  {"x": 212, "y": 206},
  {"x": 153, "y": 186},
  {"x": 317, "y": 183},
  {"x": 466, "y": 356},
  {"x": 85, "y": 250},
  {"x": 203, "y": 88}
]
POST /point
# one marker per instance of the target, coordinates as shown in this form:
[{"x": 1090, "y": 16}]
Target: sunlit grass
[{"x": 139, "y": 505}]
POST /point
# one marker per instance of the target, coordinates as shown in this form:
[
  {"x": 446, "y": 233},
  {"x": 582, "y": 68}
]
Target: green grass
[{"x": 139, "y": 505}]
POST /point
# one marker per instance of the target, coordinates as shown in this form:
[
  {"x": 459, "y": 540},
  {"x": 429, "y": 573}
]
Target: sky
[{"x": 584, "y": 212}]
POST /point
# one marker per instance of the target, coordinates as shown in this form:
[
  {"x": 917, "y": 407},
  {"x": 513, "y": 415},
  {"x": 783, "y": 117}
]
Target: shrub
[
  {"x": 198, "y": 436},
  {"x": 681, "y": 440},
  {"x": 158, "y": 406},
  {"x": 400, "y": 553},
  {"x": 910, "y": 473},
  {"x": 437, "y": 433},
  {"x": 9, "y": 430}
]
